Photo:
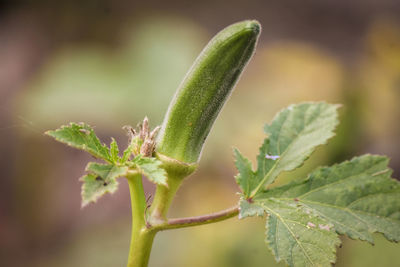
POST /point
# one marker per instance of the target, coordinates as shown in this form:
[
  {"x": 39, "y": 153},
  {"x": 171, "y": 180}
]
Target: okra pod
[{"x": 204, "y": 90}]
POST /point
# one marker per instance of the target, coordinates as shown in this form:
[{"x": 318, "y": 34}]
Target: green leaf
[
  {"x": 81, "y": 136},
  {"x": 151, "y": 168},
  {"x": 107, "y": 171},
  {"x": 246, "y": 178},
  {"x": 127, "y": 153},
  {"x": 358, "y": 197},
  {"x": 293, "y": 135},
  {"x": 114, "y": 150},
  {"x": 299, "y": 238},
  {"x": 93, "y": 188},
  {"x": 100, "y": 180}
]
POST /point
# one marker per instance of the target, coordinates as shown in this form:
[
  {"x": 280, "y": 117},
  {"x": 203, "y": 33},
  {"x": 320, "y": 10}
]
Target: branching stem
[
  {"x": 197, "y": 220},
  {"x": 146, "y": 224}
]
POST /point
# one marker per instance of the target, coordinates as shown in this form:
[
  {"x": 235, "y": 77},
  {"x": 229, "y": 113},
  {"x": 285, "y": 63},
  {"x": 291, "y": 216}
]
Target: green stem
[
  {"x": 163, "y": 199},
  {"x": 198, "y": 220},
  {"x": 143, "y": 232},
  {"x": 142, "y": 237}
]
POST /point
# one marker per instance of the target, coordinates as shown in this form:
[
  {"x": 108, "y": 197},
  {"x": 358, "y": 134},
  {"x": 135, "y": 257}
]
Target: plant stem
[
  {"x": 163, "y": 199},
  {"x": 142, "y": 237},
  {"x": 144, "y": 228},
  {"x": 198, "y": 220}
]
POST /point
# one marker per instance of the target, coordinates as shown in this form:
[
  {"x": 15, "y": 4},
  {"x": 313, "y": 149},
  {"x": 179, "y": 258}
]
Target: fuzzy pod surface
[{"x": 205, "y": 89}]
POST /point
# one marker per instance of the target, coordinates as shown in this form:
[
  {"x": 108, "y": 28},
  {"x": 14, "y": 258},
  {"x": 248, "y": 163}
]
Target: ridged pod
[{"x": 204, "y": 91}]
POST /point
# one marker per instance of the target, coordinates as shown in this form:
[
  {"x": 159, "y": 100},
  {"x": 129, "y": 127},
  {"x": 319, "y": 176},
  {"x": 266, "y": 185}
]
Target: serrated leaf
[
  {"x": 248, "y": 209},
  {"x": 358, "y": 197},
  {"x": 114, "y": 151},
  {"x": 246, "y": 177},
  {"x": 93, "y": 188},
  {"x": 298, "y": 238},
  {"x": 107, "y": 171},
  {"x": 293, "y": 233},
  {"x": 81, "y": 136},
  {"x": 127, "y": 153},
  {"x": 293, "y": 135},
  {"x": 100, "y": 180},
  {"x": 151, "y": 168}
]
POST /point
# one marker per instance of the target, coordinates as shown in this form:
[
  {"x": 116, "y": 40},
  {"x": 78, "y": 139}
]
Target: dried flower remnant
[{"x": 143, "y": 141}]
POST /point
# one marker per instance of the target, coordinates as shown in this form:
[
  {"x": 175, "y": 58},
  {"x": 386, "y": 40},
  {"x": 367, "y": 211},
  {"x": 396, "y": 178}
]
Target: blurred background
[{"x": 110, "y": 63}]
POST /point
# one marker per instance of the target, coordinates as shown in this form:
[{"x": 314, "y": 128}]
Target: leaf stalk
[{"x": 198, "y": 220}]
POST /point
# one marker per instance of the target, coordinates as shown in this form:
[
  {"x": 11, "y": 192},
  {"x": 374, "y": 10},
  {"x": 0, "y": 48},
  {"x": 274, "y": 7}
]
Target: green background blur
[{"x": 110, "y": 63}]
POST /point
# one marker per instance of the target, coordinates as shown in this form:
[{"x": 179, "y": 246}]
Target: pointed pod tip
[
  {"x": 247, "y": 25},
  {"x": 254, "y": 25}
]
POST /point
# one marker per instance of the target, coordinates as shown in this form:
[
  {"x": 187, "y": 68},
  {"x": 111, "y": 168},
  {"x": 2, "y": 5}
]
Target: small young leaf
[
  {"x": 107, "y": 171},
  {"x": 114, "y": 151},
  {"x": 127, "y": 153},
  {"x": 151, "y": 168},
  {"x": 246, "y": 178},
  {"x": 81, "y": 136},
  {"x": 93, "y": 188},
  {"x": 100, "y": 180}
]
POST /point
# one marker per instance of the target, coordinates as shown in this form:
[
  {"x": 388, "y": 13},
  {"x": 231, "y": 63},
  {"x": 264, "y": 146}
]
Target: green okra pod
[{"x": 204, "y": 91}]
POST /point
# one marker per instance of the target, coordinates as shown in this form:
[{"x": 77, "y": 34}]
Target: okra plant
[{"x": 303, "y": 218}]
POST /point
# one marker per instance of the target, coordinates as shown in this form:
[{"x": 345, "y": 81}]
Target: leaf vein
[
  {"x": 290, "y": 231},
  {"x": 333, "y": 183}
]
